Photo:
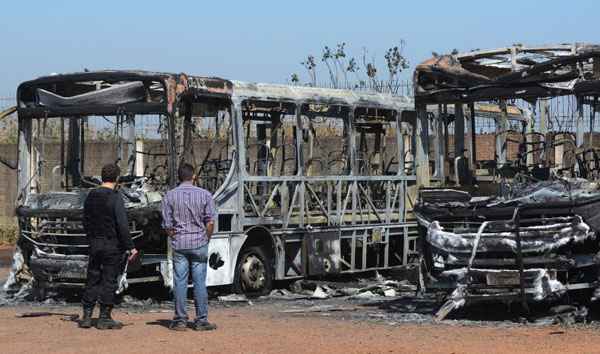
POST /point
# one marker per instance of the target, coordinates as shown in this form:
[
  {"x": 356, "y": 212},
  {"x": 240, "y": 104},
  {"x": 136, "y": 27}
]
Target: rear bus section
[
  {"x": 509, "y": 249},
  {"x": 511, "y": 214}
]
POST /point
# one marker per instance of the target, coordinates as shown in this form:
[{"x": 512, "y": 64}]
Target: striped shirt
[{"x": 186, "y": 210}]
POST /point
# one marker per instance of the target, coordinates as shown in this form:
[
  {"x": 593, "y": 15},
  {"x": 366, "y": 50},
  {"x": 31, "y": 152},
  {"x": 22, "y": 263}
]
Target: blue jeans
[{"x": 183, "y": 260}]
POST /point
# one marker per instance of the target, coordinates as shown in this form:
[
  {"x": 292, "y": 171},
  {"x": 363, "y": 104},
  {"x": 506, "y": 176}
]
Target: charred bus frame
[
  {"x": 528, "y": 232},
  {"x": 307, "y": 181}
]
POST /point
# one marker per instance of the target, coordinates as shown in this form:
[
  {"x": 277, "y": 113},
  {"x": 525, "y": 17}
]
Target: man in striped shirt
[{"x": 188, "y": 217}]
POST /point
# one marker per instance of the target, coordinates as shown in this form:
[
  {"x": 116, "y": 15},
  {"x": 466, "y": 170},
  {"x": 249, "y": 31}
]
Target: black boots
[
  {"x": 105, "y": 320},
  {"x": 86, "y": 320}
]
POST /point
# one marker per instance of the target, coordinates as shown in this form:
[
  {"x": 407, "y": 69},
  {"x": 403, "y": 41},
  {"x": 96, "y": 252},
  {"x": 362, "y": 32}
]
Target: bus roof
[{"x": 319, "y": 95}]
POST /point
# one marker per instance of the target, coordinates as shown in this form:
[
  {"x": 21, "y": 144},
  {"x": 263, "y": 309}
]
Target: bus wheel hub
[{"x": 253, "y": 273}]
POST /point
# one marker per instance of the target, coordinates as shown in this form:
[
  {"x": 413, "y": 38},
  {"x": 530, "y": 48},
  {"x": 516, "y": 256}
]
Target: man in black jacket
[{"x": 107, "y": 229}]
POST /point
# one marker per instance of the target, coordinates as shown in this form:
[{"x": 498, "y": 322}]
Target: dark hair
[
  {"x": 185, "y": 172},
  {"x": 110, "y": 173}
]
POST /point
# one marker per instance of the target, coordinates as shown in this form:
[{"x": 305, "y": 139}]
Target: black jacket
[{"x": 104, "y": 217}]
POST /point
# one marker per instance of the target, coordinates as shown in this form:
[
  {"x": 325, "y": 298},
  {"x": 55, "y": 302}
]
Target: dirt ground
[
  {"x": 245, "y": 330},
  {"x": 265, "y": 326}
]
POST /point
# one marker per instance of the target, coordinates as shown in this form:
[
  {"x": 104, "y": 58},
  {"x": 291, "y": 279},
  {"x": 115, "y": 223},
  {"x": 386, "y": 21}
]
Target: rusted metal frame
[
  {"x": 365, "y": 239},
  {"x": 119, "y": 118},
  {"x": 400, "y": 145},
  {"x": 24, "y": 163},
  {"x": 370, "y": 203},
  {"x": 237, "y": 121},
  {"x": 473, "y": 136},
  {"x": 440, "y": 151},
  {"x": 422, "y": 146},
  {"x": 252, "y": 202},
  {"x": 507, "y": 50},
  {"x": 132, "y": 155},
  {"x": 528, "y": 137},
  {"x": 351, "y": 144},
  {"x": 501, "y": 134},
  {"x": 343, "y": 208},
  {"x": 330, "y": 201},
  {"x": 62, "y": 151},
  {"x": 140, "y": 108},
  {"x": 292, "y": 206},
  {"x": 406, "y": 246},
  {"x": 38, "y": 153},
  {"x": 302, "y": 202},
  {"x": 396, "y": 198},
  {"x": 188, "y": 147},
  {"x": 469, "y": 134},
  {"x": 352, "y": 190},
  {"x": 318, "y": 200},
  {"x": 345, "y": 178},
  {"x": 353, "y": 250},
  {"x": 344, "y": 262},
  {"x": 339, "y": 208},
  {"x": 592, "y": 119},
  {"x": 544, "y": 130},
  {"x": 386, "y": 251},
  {"x": 519, "y": 259},
  {"x": 300, "y": 157},
  {"x": 402, "y": 200},
  {"x": 359, "y": 204},
  {"x": 388, "y": 202},
  {"x": 271, "y": 197},
  {"x": 459, "y": 132},
  {"x": 579, "y": 126}
]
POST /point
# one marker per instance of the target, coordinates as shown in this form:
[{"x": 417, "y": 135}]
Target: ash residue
[{"x": 377, "y": 299}]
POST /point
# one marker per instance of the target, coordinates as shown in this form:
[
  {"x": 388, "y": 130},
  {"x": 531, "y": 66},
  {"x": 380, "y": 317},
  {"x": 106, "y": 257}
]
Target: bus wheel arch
[{"x": 255, "y": 265}]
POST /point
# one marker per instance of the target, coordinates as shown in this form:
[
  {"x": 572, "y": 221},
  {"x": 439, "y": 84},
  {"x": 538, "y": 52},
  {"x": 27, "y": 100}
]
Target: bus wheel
[{"x": 253, "y": 272}]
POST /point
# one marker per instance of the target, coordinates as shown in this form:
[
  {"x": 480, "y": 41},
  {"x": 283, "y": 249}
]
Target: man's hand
[
  {"x": 171, "y": 233},
  {"x": 210, "y": 228},
  {"x": 132, "y": 254}
]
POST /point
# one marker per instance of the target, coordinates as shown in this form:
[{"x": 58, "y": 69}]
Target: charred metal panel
[
  {"x": 323, "y": 252},
  {"x": 529, "y": 243},
  {"x": 514, "y": 72},
  {"x": 220, "y": 264}
]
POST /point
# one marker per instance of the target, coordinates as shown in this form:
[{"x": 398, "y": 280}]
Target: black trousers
[{"x": 105, "y": 264}]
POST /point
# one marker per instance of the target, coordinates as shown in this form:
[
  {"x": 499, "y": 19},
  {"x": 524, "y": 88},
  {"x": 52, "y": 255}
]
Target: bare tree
[
  {"x": 340, "y": 66},
  {"x": 396, "y": 62},
  {"x": 371, "y": 70},
  {"x": 328, "y": 58},
  {"x": 295, "y": 79},
  {"x": 310, "y": 65}
]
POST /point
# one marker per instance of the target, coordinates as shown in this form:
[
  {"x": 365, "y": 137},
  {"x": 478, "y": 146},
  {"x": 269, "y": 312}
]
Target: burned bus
[
  {"x": 307, "y": 181},
  {"x": 521, "y": 223}
]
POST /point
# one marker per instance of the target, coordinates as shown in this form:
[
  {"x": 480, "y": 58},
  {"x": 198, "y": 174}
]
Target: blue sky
[{"x": 264, "y": 40}]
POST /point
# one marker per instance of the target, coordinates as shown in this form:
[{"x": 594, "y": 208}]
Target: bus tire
[{"x": 253, "y": 272}]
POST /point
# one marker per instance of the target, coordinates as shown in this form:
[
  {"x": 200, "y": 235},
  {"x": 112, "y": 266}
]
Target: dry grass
[{"x": 8, "y": 231}]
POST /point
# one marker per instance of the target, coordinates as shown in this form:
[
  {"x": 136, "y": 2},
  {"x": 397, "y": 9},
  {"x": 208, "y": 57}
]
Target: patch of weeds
[{"x": 8, "y": 233}]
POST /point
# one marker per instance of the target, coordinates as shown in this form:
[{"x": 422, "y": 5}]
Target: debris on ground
[
  {"x": 233, "y": 298},
  {"x": 454, "y": 301},
  {"x": 21, "y": 294},
  {"x": 64, "y": 316},
  {"x": 564, "y": 315},
  {"x": 368, "y": 288},
  {"x": 284, "y": 294},
  {"x": 322, "y": 308},
  {"x": 131, "y": 301}
]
